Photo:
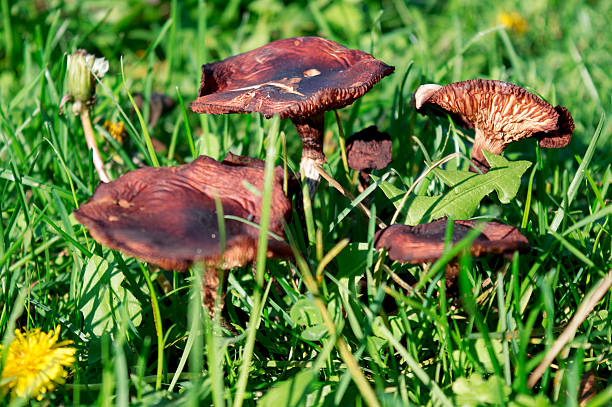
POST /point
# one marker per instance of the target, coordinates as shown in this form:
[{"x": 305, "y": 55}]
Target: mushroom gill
[{"x": 499, "y": 112}]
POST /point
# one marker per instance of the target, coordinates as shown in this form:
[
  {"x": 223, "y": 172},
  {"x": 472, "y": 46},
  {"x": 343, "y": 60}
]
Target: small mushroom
[
  {"x": 297, "y": 78},
  {"x": 499, "y": 112},
  {"x": 368, "y": 150},
  {"x": 425, "y": 243},
  {"x": 168, "y": 217},
  {"x": 159, "y": 105}
]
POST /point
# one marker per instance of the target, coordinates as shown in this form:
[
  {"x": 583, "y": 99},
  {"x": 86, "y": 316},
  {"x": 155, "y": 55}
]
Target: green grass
[{"x": 304, "y": 342}]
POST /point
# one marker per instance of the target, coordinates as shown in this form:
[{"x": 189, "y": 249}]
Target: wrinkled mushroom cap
[
  {"x": 292, "y": 77},
  {"x": 167, "y": 216},
  {"x": 499, "y": 112},
  {"x": 425, "y": 243},
  {"x": 369, "y": 149}
]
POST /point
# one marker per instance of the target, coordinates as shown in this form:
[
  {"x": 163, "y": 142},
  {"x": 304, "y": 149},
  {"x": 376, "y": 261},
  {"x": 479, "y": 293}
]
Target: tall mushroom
[
  {"x": 499, "y": 112},
  {"x": 425, "y": 243},
  {"x": 168, "y": 217},
  {"x": 297, "y": 78}
]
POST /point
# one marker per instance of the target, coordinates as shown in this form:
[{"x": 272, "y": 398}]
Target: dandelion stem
[{"x": 91, "y": 143}]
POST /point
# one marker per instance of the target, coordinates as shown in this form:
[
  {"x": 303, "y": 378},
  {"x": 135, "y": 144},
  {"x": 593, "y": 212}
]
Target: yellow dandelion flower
[
  {"x": 35, "y": 363},
  {"x": 116, "y": 130},
  {"x": 512, "y": 21}
]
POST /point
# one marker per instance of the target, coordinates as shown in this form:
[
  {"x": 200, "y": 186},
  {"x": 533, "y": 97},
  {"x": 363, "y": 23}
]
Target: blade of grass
[
  {"x": 357, "y": 201},
  {"x": 342, "y": 142},
  {"x": 8, "y": 32},
  {"x": 143, "y": 124},
  {"x": 329, "y": 256},
  {"x": 528, "y": 199},
  {"x": 574, "y": 250},
  {"x": 467, "y": 299},
  {"x": 347, "y": 194},
  {"x": 186, "y": 122},
  {"x": 413, "y": 364},
  {"x": 568, "y": 333},
  {"x": 577, "y": 181},
  {"x": 122, "y": 380},
  {"x": 158, "y": 326},
  {"x": 503, "y": 327},
  {"x": 215, "y": 349},
  {"x": 343, "y": 348},
  {"x": 262, "y": 249},
  {"x": 194, "y": 314}
]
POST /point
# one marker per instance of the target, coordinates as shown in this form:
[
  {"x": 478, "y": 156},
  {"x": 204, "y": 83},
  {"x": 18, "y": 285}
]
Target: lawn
[{"x": 340, "y": 323}]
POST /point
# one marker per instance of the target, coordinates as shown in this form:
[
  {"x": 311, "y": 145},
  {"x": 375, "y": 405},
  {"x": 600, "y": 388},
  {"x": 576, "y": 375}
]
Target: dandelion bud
[{"x": 80, "y": 82}]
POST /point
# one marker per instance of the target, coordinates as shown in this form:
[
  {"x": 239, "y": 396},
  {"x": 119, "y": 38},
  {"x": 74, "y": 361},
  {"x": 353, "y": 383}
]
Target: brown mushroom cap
[
  {"x": 298, "y": 78},
  {"x": 291, "y": 77},
  {"x": 499, "y": 112},
  {"x": 369, "y": 149},
  {"x": 167, "y": 216},
  {"x": 425, "y": 243}
]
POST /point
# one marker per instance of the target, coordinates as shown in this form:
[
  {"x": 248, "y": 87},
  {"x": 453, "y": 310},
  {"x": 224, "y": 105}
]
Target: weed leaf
[
  {"x": 291, "y": 392},
  {"x": 466, "y": 191},
  {"x": 474, "y": 391},
  {"x": 103, "y": 296}
]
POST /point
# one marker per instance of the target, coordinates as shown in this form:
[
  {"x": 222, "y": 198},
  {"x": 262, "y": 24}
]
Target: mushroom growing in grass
[
  {"x": 159, "y": 105},
  {"x": 168, "y": 216},
  {"x": 368, "y": 150},
  {"x": 297, "y": 78},
  {"x": 499, "y": 112},
  {"x": 425, "y": 243}
]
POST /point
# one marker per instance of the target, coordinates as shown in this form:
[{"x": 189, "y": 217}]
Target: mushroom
[
  {"x": 499, "y": 112},
  {"x": 297, "y": 78},
  {"x": 168, "y": 217},
  {"x": 367, "y": 150},
  {"x": 159, "y": 105},
  {"x": 425, "y": 243}
]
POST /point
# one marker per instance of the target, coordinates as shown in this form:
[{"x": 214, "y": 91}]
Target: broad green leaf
[
  {"x": 466, "y": 191},
  {"x": 395, "y": 323},
  {"x": 474, "y": 391},
  {"x": 352, "y": 260},
  {"x": 482, "y": 354},
  {"x": 304, "y": 312},
  {"x": 378, "y": 344},
  {"x": 291, "y": 392},
  {"x": 523, "y": 400},
  {"x": 102, "y": 297}
]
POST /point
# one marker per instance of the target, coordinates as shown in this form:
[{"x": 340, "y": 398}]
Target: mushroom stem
[
  {"x": 211, "y": 280},
  {"x": 310, "y": 129},
  {"x": 484, "y": 142},
  {"x": 91, "y": 143},
  {"x": 364, "y": 180}
]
